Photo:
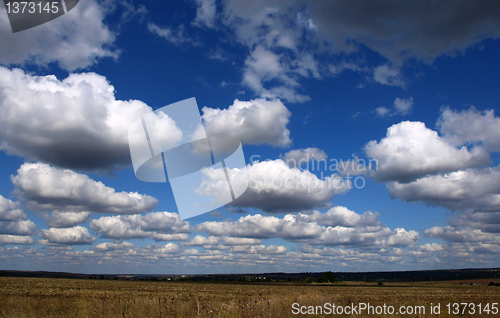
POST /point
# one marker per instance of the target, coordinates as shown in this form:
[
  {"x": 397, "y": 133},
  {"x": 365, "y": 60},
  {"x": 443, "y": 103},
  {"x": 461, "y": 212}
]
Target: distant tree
[
  {"x": 330, "y": 277},
  {"x": 309, "y": 280}
]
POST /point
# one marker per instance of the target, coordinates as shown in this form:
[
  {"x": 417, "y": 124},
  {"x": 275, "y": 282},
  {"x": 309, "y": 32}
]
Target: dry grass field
[{"x": 44, "y": 297}]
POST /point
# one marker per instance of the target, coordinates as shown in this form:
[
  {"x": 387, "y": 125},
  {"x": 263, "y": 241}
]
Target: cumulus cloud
[
  {"x": 337, "y": 227},
  {"x": 451, "y": 234},
  {"x": 402, "y": 237},
  {"x": 66, "y": 219},
  {"x": 297, "y": 156},
  {"x": 75, "y": 40},
  {"x": 342, "y": 216},
  {"x": 264, "y": 66},
  {"x": 410, "y": 151},
  {"x": 75, "y": 123},
  {"x": 161, "y": 226},
  {"x": 43, "y": 187},
  {"x": 15, "y": 239},
  {"x": 258, "y": 226},
  {"x": 275, "y": 187},
  {"x": 9, "y": 210},
  {"x": 345, "y": 236},
  {"x": 19, "y": 227},
  {"x": 471, "y": 126},
  {"x": 471, "y": 189},
  {"x": 71, "y": 236},
  {"x": 15, "y": 228},
  {"x": 254, "y": 122}
]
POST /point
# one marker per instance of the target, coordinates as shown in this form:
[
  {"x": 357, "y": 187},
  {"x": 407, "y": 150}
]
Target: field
[{"x": 45, "y": 297}]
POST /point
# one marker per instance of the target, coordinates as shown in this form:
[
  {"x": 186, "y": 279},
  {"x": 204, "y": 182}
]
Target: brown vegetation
[{"x": 43, "y": 297}]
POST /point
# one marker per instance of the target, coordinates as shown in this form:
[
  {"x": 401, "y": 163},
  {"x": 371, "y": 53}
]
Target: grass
[{"x": 44, "y": 297}]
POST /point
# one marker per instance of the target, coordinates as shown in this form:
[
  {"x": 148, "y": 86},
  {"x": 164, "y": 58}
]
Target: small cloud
[
  {"x": 175, "y": 36},
  {"x": 203, "y": 81},
  {"x": 355, "y": 115},
  {"x": 383, "y": 111},
  {"x": 386, "y": 75},
  {"x": 218, "y": 54},
  {"x": 403, "y": 106}
]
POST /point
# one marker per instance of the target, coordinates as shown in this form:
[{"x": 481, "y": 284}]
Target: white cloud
[
  {"x": 66, "y": 219},
  {"x": 258, "y": 226},
  {"x": 157, "y": 225},
  {"x": 410, "y": 151},
  {"x": 205, "y": 13},
  {"x": 73, "y": 235},
  {"x": 200, "y": 240},
  {"x": 175, "y": 36},
  {"x": 402, "y": 237},
  {"x": 264, "y": 65},
  {"x": 9, "y": 210},
  {"x": 19, "y": 227},
  {"x": 273, "y": 186},
  {"x": 452, "y": 234},
  {"x": 342, "y": 216},
  {"x": 432, "y": 247},
  {"x": 255, "y": 122},
  {"x": 382, "y": 111},
  {"x": 76, "y": 40},
  {"x": 15, "y": 239},
  {"x": 227, "y": 240},
  {"x": 386, "y": 75},
  {"x": 75, "y": 123},
  {"x": 43, "y": 187},
  {"x": 471, "y": 126},
  {"x": 359, "y": 236},
  {"x": 403, "y": 106},
  {"x": 474, "y": 189},
  {"x": 297, "y": 156}
]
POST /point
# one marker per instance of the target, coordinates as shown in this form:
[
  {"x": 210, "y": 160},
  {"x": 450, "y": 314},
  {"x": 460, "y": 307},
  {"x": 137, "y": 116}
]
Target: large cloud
[
  {"x": 410, "y": 151},
  {"x": 258, "y": 226},
  {"x": 19, "y": 227},
  {"x": 337, "y": 227},
  {"x": 15, "y": 228},
  {"x": 471, "y": 126},
  {"x": 15, "y": 239},
  {"x": 74, "y": 235},
  {"x": 9, "y": 210},
  {"x": 273, "y": 187},
  {"x": 161, "y": 226},
  {"x": 285, "y": 38},
  {"x": 75, "y": 123},
  {"x": 43, "y": 187},
  {"x": 75, "y": 40},
  {"x": 254, "y": 122},
  {"x": 66, "y": 219},
  {"x": 474, "y": 189}
]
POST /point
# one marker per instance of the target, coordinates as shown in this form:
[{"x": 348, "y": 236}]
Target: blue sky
[{"x": 410, "y": 86}]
